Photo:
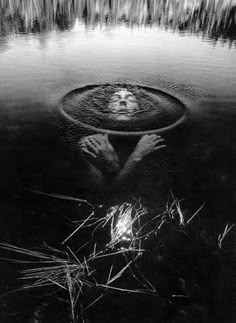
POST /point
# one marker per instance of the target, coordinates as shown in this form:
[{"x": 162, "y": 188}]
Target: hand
[
  {"x": 148, "y": 144},
  {"x": 99, "y": 150},
  {"x": 95, "y": 146}
]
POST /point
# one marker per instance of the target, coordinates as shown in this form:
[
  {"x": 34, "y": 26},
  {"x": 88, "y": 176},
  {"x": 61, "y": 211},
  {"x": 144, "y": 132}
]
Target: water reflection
[{"x": 211, "y": 18}]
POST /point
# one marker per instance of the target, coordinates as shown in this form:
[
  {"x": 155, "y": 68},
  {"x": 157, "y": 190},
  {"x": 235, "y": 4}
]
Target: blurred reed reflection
[{"x": 211, "y": 18}]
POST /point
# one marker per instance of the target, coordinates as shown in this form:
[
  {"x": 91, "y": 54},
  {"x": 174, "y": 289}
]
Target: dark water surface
[{"x": 48, "y": 48}]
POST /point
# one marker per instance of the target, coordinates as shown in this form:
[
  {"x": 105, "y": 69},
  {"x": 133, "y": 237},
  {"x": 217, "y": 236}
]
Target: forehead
[{"x": 122, "y": 92}]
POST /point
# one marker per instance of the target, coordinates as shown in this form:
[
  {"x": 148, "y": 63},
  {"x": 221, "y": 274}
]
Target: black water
[{"x": 49, "y": 48}]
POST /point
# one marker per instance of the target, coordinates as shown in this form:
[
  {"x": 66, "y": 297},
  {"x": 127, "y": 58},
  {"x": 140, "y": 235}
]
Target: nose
[{"x": 123, "y": 102}]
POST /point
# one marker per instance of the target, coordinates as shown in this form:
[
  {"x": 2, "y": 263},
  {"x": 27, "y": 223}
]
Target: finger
[
  {"x": 82, "y": 148},
  {"x": 154, "y": 136},
  {"x": 93, "y": 142},
  {"x": 84, "y": 143},
  {"x": 160, "y": 147},
  {"x": 81, "y": 141},
  {"x": 94, "y": 138},
  {"x": 97, "y": 141},
  {"x": 89, "y": 153},
  {"x": 81, "y": 144},
  {"x": 89, "y": 146},
  {"x": 157, "y": 141}
]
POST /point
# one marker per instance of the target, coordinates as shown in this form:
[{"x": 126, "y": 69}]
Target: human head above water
[{"x": 123, "y": 104}]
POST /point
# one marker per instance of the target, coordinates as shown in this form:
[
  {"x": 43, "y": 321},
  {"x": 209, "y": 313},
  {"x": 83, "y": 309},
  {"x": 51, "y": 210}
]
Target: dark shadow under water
[{"x": 34, "y": 157}]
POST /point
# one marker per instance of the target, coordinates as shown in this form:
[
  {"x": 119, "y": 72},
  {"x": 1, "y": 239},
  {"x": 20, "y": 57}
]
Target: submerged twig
[
  {"x": 222, "y": 236},
  {"x": 63, "y": 197},
  {"x": 193, "y": 216}
]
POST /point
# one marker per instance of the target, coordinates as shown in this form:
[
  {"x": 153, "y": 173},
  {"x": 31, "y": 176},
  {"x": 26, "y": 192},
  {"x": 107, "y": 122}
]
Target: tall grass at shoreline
[{"x": 213, "y": 18}]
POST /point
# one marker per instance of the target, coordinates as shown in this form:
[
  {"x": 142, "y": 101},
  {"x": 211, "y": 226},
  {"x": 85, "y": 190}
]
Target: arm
[
  {"x": 146, "y": 145},
  {"x": 103, "y": 161},
  {"x": 100, "y": 157}
]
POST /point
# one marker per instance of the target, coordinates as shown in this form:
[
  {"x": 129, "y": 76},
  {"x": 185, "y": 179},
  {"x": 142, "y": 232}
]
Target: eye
[
  {"x": 132, "y": 100},
  {"x": 116, "y": 97},
  {"x": 130, "y": 97}
]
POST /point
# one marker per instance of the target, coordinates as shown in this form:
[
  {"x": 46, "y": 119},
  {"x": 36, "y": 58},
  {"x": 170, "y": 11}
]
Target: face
[{"x": 123, "y": 105}]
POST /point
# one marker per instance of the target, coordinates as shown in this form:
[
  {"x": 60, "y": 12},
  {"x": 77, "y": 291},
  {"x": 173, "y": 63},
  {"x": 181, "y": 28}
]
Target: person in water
[{"x": 100, "y": 155}]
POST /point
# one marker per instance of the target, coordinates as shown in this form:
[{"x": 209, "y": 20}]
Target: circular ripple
[{"x": 87, "y": 109}]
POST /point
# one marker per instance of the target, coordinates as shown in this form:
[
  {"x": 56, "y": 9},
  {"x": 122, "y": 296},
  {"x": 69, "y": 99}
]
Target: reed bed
[
  {"x": 214, "y": 18},
  {"x": 96, "y": 268}
]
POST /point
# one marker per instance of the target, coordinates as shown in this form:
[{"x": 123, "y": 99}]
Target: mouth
[
  {"x": 121, "y": 112},
  {"x": 122, "y": 117}
]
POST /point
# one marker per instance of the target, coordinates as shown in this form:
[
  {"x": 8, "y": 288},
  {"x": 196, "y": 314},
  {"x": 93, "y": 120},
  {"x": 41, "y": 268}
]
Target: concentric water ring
[{"x": 167, "y": 107}]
